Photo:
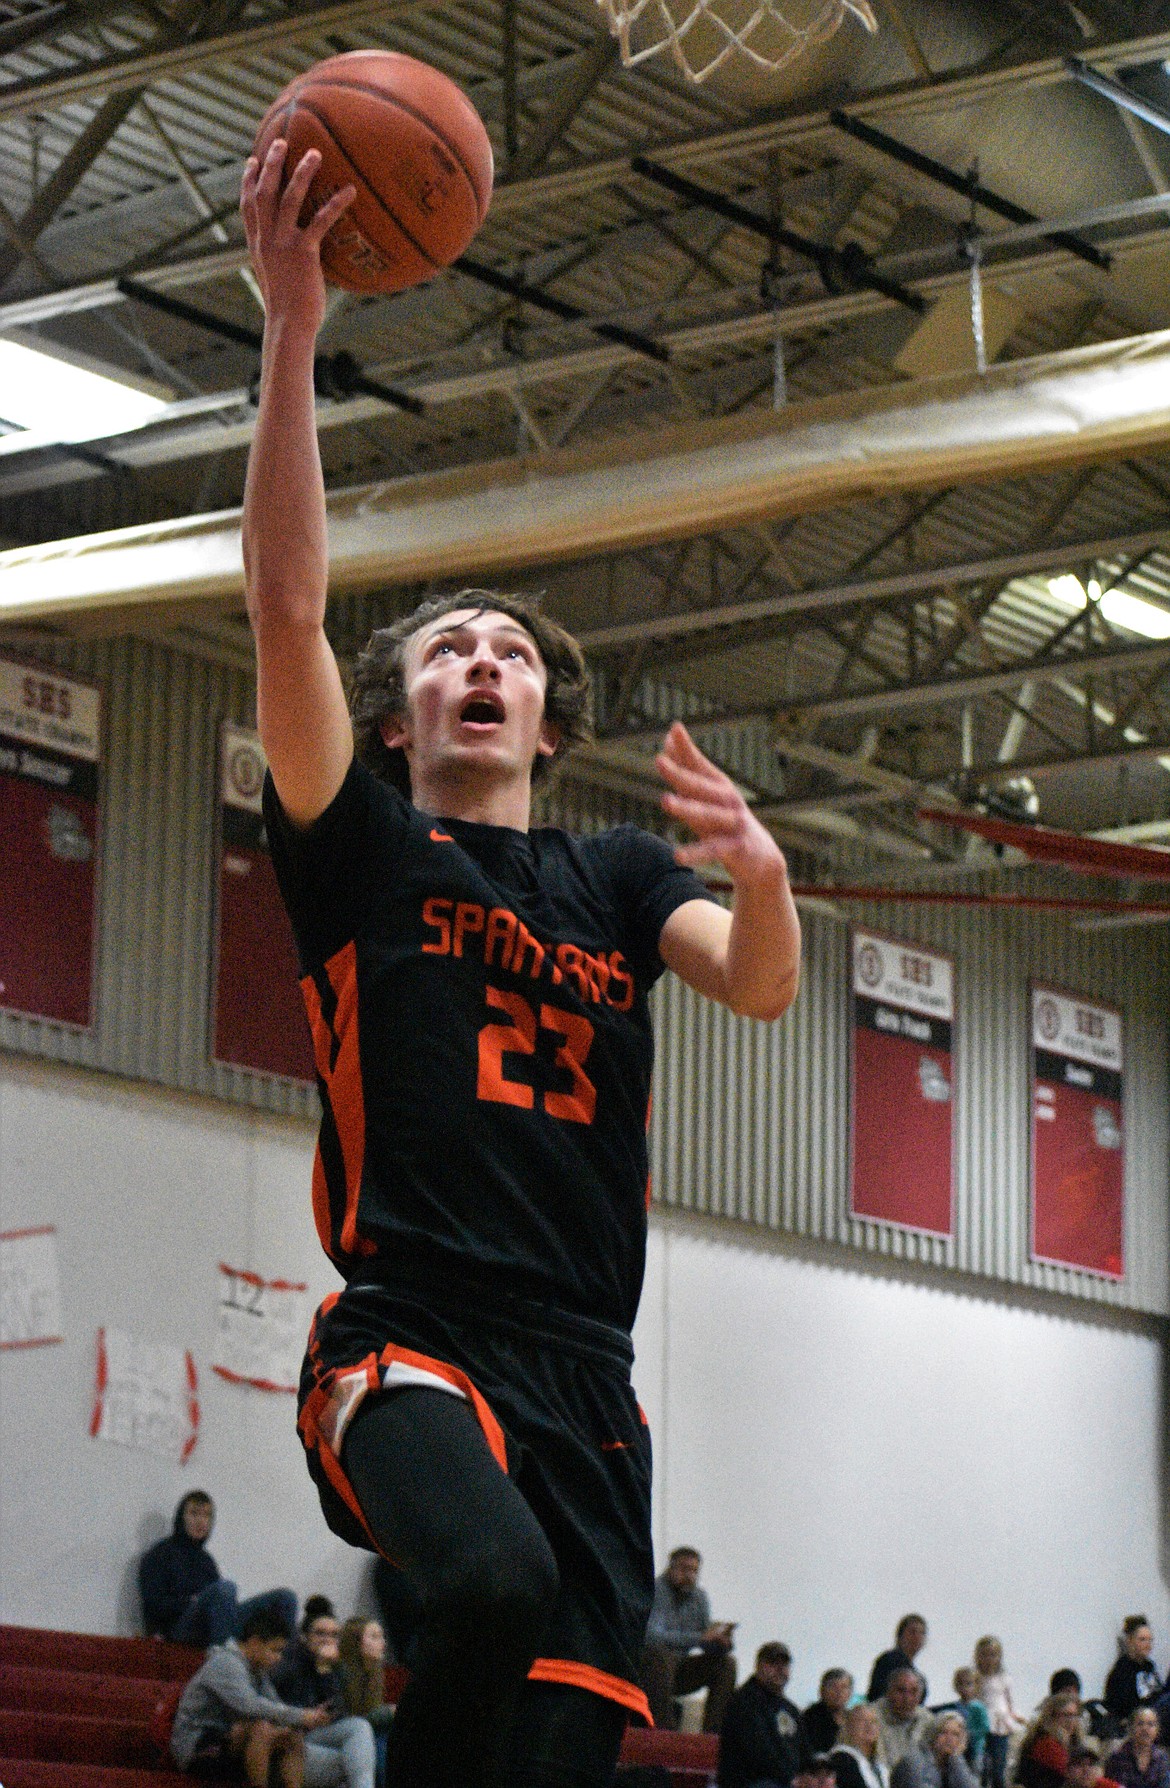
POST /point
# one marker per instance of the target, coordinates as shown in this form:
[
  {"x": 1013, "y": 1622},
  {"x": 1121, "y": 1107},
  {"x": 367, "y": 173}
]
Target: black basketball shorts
[{"x": 553, "y": 1397}]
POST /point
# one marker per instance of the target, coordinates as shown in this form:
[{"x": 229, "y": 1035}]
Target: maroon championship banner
[
  {"x": 900, "y": 1110},
  {"x": 49, "y": 748},
  {"x": 1078, "y": 1136},
  {"x": 258, "y": 1016}
]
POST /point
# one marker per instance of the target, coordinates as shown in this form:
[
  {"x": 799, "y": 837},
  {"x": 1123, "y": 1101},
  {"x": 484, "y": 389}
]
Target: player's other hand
[
  {"x": 286, "y": 254},
  {"x": 705, "y": 800}
]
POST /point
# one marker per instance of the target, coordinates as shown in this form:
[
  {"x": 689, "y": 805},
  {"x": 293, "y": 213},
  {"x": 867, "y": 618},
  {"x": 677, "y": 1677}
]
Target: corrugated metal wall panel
[
  {"x": 161, "y": 712},
  {"x": 750, "y": 1120}
]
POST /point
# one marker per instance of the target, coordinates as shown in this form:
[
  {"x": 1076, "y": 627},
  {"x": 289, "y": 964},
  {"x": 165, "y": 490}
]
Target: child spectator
[
  {"x": 309, "y": 1676},
  {"x": 994, "y": 1689},
  {"x": 1133, "y": 1680},
  {"x": 230, "y": 1719},
  {"x": 363, "y": 1681},
  {"x": 974, "y": 1713},
  {"x": 183, "y": 1595}
]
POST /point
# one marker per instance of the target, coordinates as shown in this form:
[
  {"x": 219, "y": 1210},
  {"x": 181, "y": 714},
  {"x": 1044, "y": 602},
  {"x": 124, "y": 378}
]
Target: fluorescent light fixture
[
  {"x": 59, "y": 401},
  {"x": 1133, "y": 614}
]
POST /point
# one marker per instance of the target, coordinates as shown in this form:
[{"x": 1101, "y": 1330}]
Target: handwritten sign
[
  {"x": 260, "y": 1330},
  {"x": 146, "y": 1395},
  {"x": 30, "y": 1295}
]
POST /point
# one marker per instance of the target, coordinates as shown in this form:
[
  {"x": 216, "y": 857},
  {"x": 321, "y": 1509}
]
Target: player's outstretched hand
[
  {"x": 286, "y": 254},
  {"x": 705, "y": 800}
]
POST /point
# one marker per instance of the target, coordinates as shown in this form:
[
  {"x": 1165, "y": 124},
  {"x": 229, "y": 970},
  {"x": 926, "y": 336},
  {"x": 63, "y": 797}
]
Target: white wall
[{"x": 842, "y": 1446}]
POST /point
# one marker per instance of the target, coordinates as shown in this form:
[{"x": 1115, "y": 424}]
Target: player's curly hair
[{"x": 378, "y": 686}]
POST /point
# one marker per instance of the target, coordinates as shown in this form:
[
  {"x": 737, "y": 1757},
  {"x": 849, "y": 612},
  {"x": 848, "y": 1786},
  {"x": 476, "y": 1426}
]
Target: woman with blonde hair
[
  {"x": 854, "y": 1760},
  {"x": 363, "y": 1680},
  {"x": 994, "y": 1688},
  {"x": 1048, "y": 1742}
]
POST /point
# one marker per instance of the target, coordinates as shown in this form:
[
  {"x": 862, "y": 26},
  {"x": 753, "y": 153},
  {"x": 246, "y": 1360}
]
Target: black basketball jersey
[{"x": 478, "y": 1002}]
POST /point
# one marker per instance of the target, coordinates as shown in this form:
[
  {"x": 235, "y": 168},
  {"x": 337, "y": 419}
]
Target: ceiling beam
[
  {"x": 953, "y": 689},
  {"x": 141, "y": 67}
]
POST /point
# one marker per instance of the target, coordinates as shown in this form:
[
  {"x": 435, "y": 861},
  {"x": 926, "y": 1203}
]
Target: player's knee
[{"x": 501, "y": 1589}]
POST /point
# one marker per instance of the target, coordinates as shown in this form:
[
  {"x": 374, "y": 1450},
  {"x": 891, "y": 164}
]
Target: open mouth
[{"x": 482, "y": 708}]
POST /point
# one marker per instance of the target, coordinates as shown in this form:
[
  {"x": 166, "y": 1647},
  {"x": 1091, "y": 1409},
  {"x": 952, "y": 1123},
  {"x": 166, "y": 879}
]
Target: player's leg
[
  {"x": 565, "y": 1738},
  {"x": 438, "y": 1504}
]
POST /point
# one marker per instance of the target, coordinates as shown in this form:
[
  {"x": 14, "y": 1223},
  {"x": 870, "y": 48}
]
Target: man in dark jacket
[
  {"x": 759, "y": 1743},
  {"x": 183, "y": 1595}
]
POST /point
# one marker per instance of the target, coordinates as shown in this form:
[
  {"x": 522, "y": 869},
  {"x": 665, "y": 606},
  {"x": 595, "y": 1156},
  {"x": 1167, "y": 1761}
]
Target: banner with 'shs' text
[
  {"x": 49, "y": 747},
  {"x": 258, "y": 1016},
  {"x": 901, "y": 1133},
  {"x": 1078, "y": 1136}
]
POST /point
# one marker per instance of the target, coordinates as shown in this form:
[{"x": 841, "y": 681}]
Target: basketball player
[{"x": 478, "y": 998}]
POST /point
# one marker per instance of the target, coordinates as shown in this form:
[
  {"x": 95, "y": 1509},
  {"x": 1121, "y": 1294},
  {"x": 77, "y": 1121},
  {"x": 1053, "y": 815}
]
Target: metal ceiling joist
[
  {"x": 143, "y": 66},
  {"x": 660, "y": 485},
  {"x": 953, "y": 689}
]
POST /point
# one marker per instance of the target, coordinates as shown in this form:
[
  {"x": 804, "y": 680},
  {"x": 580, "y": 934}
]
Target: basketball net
[{"x": 706, "y": 32}]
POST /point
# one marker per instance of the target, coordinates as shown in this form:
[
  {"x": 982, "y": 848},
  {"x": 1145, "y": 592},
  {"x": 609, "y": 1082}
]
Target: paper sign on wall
[
  {"x": 146, "y": 1395},
  {"x": 901, "y": 1103},
  {"x": 1078, "y": 1136},
  {"x": 260, "y": 1330},
  {"x": 30, "y": 1293},
  {"x": 258, "y": 1018},
  {"x": 49, "y": 738}
]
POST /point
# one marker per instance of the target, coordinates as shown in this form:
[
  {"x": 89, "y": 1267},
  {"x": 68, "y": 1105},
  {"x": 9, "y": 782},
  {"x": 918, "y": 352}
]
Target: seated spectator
[
  {"x": 974, "y": 1714},
  {"x": 1084, "y": 1768},
  {"x": 759, "y": 1741},
  {"x": 1139, "y": 1761},
  {"x": 902, "y": 1720},
  {"x": 183, "y": 1595},
  {"x": 230, "y": 1720},
  {"x": 308, "y": 1675},
  {"x": 821, "y": 1721},
  {"x": 937, "y": 1763},
  {"x": 909, "y": 1639},
  {"x": 1044, "y": 1752},
  {"x": 685, "y": 1649},
  {"x": 363, "y": 1681},
  {"x": 856, "y": 1762},
  {"x": 994, "y": 1688},
  {"x": 1063, "y": 1682},
  {"x": 1133, "y": 1680}
]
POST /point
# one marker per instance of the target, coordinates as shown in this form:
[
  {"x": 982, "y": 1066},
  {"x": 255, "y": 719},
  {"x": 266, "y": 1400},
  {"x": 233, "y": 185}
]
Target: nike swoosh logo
[
  {"x": 615, "y": 1446},
  {"x": 438, "y": 837}
]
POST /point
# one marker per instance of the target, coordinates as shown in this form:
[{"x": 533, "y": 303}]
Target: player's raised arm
[
  {"x": 749, "y": 959},
  {"x": 301, "y": 708}
]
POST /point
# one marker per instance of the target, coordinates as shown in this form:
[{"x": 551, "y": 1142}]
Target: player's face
[{"x": 475, "y": 687}]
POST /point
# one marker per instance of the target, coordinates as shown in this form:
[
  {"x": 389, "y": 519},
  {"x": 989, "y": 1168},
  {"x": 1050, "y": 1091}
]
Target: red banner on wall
[
  {"x": 258, "y": 1016},
  {"x": 1078, "y": 1136},
  {"x": 49, "y": 747},
  {"x": 901, "y": 1136}
]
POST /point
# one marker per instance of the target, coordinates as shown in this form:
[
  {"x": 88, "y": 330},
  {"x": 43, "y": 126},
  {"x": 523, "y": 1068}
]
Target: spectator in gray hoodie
[{"x": 230, "y": 1717}]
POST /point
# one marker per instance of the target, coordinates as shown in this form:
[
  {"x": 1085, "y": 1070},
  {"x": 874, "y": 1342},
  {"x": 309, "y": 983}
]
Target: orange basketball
[{"x": 410, "y": 142}]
